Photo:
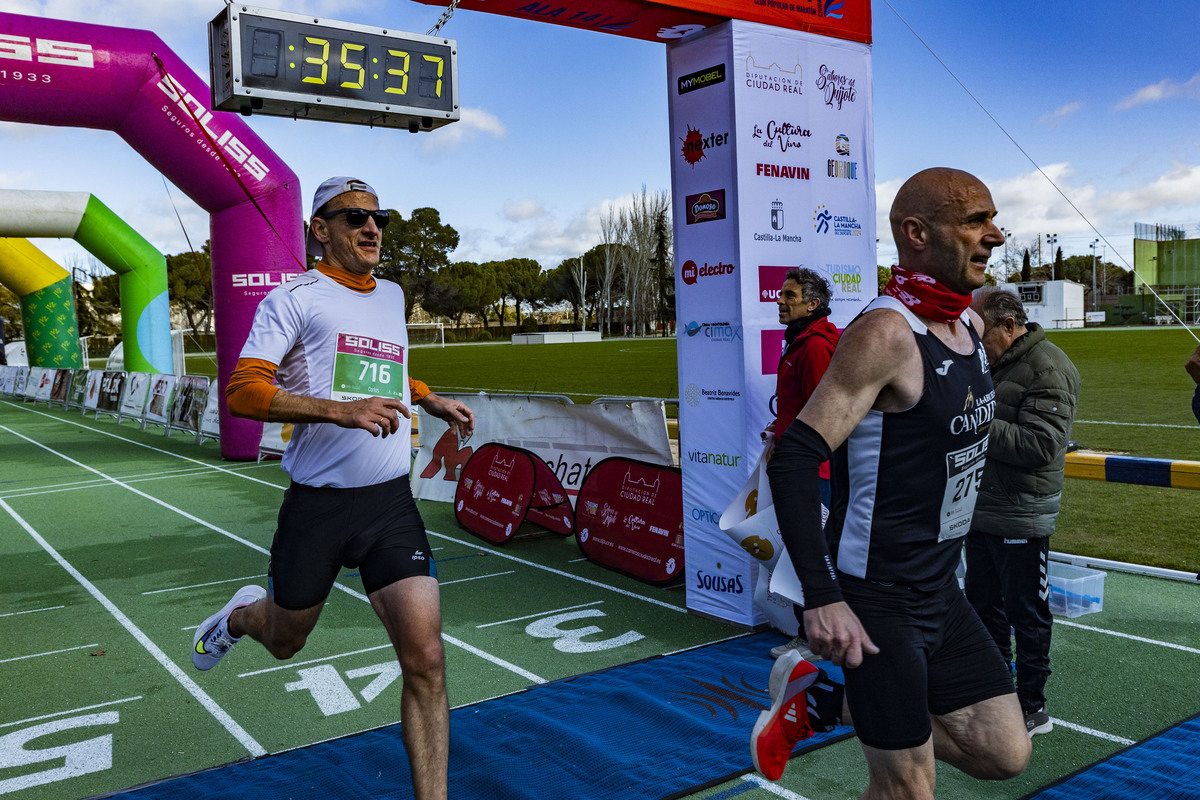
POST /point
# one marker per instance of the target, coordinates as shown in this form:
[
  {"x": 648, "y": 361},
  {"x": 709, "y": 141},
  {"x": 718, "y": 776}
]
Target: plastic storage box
[{"x": 1075, "y": 591}]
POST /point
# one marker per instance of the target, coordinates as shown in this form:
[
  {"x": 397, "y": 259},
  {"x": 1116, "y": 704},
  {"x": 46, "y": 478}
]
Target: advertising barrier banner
[
  {"x": 629, "y": 518},
  {"x": 502, "y": 487},
  {"x": 570, "y": 438}
]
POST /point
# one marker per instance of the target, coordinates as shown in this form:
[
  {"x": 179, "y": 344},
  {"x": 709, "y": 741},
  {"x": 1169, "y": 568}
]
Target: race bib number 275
[{"x": 367, "y": 367}]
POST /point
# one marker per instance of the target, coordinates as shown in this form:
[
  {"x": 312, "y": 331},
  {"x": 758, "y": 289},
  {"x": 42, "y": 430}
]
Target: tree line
[{"x": 623, "y": 284}]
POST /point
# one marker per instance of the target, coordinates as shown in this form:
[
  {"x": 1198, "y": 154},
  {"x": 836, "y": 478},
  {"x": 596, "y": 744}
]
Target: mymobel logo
[
  {"x": 691, "y": 273},
  {"x": 774, "y": 78},
  {"x": 784, "y": 135},
  {"x": 705, "y": 77},
  {"x": 696, "y": 145},
  {"x": 705, "y": 207},
  {"x": 838, "y": 88}
]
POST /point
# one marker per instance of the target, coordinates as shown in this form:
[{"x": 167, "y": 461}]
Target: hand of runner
[
  {"x": 834, "y": 632},
  {"x": 378, "y": 416},
  {"x": 453, "y": 412}
]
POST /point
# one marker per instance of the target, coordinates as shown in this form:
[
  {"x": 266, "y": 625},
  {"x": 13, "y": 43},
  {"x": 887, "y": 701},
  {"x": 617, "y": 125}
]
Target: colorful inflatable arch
[
  {"x": 129, "y": 82},
  {"x": 47, "y": 304},
  {"x": 38, "y": 281}
]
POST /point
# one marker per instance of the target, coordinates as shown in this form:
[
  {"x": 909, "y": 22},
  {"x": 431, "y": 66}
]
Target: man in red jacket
[{"x": 808, "y": 346}]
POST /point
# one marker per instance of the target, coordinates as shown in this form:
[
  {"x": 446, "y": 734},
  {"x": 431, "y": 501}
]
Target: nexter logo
[{"x": 698, "y": 80}]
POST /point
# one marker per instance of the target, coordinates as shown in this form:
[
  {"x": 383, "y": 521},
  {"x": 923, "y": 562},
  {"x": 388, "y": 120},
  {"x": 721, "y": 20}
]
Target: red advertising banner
[
  {"x": 502, "y": 487},
  {"x": 629, "y": 518},
  {"x": 668, "y": 20}
]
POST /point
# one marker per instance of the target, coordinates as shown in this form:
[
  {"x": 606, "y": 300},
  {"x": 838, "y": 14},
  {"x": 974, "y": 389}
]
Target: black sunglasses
[{"x": 357, "y": 217}]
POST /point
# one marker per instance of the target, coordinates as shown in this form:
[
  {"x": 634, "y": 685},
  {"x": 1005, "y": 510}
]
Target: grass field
[{"x": 1136, "y": 400}]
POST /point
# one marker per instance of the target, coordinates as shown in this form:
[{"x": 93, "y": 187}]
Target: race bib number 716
[{"x": 367, "y": 367}]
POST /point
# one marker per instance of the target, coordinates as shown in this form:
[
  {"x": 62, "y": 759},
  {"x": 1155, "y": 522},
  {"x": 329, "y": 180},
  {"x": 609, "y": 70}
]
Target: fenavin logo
[{"x": 705, "y": 77}]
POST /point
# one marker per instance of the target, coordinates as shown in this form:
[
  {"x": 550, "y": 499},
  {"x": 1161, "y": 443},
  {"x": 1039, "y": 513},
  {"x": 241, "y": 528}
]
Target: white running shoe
[
  {"x": 800, "y": 645},
  {"x": 212, "y": 640}
]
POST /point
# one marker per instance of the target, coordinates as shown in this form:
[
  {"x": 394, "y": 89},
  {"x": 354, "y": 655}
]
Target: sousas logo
[{"x": 719, "y": 583}]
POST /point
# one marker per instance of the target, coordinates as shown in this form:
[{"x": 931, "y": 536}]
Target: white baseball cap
[{"x": 326, "y": 192}]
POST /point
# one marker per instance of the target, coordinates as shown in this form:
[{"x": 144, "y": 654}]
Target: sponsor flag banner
[
  {"x": 158, "y": 402},
  {"x": 569, "y": 438},
  {"x": 188, "y": 402},
  {"x": 629, "y": 518},
  {"x": 502, "y": 487},
  {"x": 78, "y": 391},
  {"x": 61, "y": 388},
  {"x": 750, "y": 522},
  {"x": 210, "y": 422},
  {"x": 112, "y": 385}
]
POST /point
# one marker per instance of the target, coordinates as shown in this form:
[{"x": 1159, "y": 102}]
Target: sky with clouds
[{"x": 1080, "y": 116}]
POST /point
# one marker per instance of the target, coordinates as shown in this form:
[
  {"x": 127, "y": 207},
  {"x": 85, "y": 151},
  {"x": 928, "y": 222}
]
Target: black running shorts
[
  {"x": 934, "y": 657},
  {"x": 375, "y": 528}
]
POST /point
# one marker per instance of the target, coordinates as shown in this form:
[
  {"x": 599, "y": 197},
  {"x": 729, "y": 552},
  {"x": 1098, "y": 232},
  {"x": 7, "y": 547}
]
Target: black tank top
[{"x": 904, "y": 483}]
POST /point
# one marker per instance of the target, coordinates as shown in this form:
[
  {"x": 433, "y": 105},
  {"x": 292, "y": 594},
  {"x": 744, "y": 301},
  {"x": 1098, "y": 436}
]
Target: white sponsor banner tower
[{"x": 772, "y": 148}]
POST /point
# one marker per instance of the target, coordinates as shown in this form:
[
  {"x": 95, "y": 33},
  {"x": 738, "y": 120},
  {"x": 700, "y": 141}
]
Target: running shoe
[
  {"x": 212, "y": 640},
  {"x": 800, "y": 645},
  {"x": 786, "y": 722},
  {"x": 824, "y": 703},
  {"x": 1038, "y": 722}
]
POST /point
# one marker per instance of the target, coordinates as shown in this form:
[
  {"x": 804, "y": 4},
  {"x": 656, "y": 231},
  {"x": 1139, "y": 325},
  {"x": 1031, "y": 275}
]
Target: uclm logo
[{"x": 770, "y": 281}]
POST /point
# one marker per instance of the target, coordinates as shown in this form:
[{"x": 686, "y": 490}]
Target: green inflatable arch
[{"x": 47, "y": 301}]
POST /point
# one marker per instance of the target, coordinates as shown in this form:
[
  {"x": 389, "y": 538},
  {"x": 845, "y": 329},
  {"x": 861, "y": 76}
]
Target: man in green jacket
[{"x": 1007, "y": 548}]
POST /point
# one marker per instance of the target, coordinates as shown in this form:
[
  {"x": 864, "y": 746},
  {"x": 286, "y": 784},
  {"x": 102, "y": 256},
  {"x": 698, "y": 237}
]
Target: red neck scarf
[{"x": 926, "y": 296}]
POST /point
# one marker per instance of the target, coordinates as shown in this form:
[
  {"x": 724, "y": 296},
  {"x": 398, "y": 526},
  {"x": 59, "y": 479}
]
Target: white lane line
[
  {"x": 539, "y": 615},
  {"x": 778, "y": 791},
  {"x": 202, "y": 585},
  {"x": 31, "y": 611},
  {"x": 1141, "y": 639},
  {"x": 213, "y": 467},
  {"x": 1134, "y": 424},
  {"x": 71, "y": 711},
  {"x": 1091, "y": 731},
  {"x": 560, "y": 573},
  {"x": 49, "y": 652},
  {"x": 477, "y": 578},
  {"x": 192, "y": 688},
  {"x": 295, "y": 664}
]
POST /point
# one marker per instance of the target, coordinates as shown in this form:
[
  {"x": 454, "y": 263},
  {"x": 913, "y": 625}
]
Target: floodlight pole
[
  {"x": 1051, "y": 240},
  {"x": 1095, "y": 298}
]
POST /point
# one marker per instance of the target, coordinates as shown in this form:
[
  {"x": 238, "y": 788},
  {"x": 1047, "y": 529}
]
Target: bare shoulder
[
  {"x": 876, "y": 365},
  {"x": 976, "y": 321}
]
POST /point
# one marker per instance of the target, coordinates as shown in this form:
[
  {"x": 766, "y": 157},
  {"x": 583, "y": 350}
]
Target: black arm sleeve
[
  {"x": 1195, "y": 405},
  {"x": 796, "y": 490}
]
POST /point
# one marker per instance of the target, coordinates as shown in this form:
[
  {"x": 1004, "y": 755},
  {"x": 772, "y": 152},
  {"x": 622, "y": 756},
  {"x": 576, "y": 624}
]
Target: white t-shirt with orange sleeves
[{"x": 332, "y": 342}]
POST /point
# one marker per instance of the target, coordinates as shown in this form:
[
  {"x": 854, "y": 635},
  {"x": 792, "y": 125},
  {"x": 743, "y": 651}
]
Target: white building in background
[{"x": 1051, "y": 304}]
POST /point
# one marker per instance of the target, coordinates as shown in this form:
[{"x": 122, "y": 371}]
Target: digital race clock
[{"x": 283, "y": 64}]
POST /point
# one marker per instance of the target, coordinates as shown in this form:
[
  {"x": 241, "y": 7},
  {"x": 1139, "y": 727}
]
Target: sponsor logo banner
[
  {"x": 770, "y": 281},
  {"x": 695, "y": 145},
  {"x": 691, "y": 273},
  {"x": 708, "y": 76},
  {"x": 705, "y": 207}
]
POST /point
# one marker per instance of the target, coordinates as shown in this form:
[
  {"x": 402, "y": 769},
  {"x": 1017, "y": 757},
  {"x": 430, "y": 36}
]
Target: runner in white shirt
[{"x": 336, "y": 342}]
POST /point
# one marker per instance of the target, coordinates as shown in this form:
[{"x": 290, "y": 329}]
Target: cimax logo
[
  {"x": 198, "y": 110},
  {"x": 242, "y": 279},
  {"x": 46, "y": 51}
]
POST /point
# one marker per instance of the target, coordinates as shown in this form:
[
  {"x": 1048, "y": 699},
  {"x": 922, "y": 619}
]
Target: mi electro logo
[
  {"x": 690, "y": 273},
  {"x": 705, "y": 207},
  {"x": 705, "y": 77}
]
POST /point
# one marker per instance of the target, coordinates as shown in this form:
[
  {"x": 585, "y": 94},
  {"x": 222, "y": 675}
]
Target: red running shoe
[{"x": 786, "y": 722}]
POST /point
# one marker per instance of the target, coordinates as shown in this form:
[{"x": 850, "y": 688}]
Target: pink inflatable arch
[{"x": 129, "y": 82}]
